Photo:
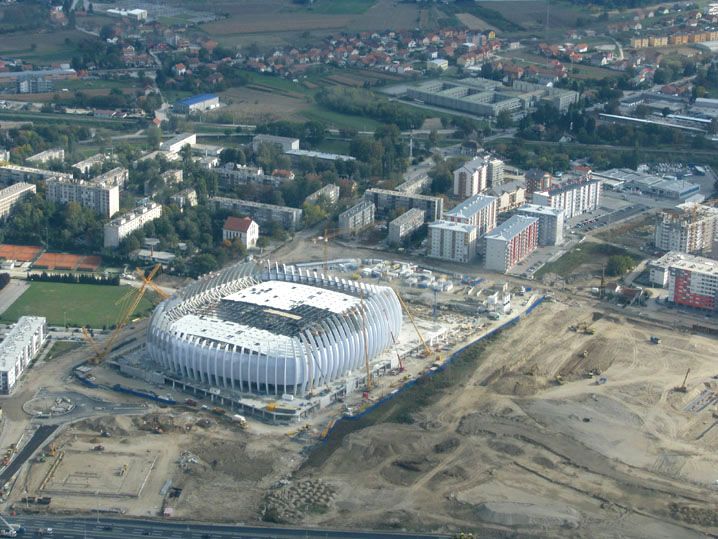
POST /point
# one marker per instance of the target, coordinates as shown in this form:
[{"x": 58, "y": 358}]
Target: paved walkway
[{"x": 11, "y": 293}]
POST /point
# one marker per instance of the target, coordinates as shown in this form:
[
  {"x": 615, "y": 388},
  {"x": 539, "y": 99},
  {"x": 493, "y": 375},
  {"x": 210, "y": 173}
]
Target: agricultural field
[
  {"x": 281, "y": 22},
  {"x": 41, "y": 47},
  {"x": 76, "y": 304},
  {"x": 531, "y": 15}
]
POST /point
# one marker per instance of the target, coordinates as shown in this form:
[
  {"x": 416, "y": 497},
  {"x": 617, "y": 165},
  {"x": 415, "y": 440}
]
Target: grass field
[
  {"x": 342, "y": 7},
  {"x": 76, "y": 304},
  {"x": 48, "y": 46},
  {"x": 587, "y": 253}
]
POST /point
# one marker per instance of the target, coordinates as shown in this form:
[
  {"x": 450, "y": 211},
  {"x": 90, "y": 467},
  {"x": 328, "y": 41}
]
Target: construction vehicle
[
  {"x": 52, "y": 450},
  {"x": 559, "y": 380},
  {"x": 655, "y": 340},
  {"x": 683, "y": 388},
  {"x": 240, "y": 420},
  {"x": 99, "y": 447},
  {"x": 128, "y": 304}
]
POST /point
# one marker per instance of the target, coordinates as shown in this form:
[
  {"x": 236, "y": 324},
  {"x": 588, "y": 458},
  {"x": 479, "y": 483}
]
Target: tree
[
  {"x": 154, "y": 137},
  {"x": 203, "y": 263},
  {"x": 618, "y": 265},
  {"x": 504, "y": 120}
]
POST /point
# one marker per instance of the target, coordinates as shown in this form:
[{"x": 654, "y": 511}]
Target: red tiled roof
[{"x": 237, "y": 224}]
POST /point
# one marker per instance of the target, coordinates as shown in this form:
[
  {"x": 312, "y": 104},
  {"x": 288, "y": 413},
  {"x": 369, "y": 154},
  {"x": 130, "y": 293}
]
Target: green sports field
[{"x": 76, "y": 304}]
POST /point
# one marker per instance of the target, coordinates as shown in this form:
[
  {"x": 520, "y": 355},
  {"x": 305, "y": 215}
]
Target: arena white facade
[{"x": 273, "y": 330}]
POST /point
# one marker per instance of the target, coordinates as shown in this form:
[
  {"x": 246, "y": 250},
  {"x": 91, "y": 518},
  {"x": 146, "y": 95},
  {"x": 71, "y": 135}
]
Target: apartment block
[
  {"x": 19, "y": 348},
  {"x": 405, "y": 224},
  {"x": 452, "y": 241},
  {"x": 12, "y": 195},
  {"x": 550, "y": 226},
  {"x": 124, "y": 225},
  {"x": 329, "y": 192},
  {"x": 537, "y": 180},
  {"x": 471, "y": 178},
  {"x": 16, "y": 173},
  {"x": 232, "y": 175},
  {"x": 357, "y": 218},
  {"x": 102, "y": 198},
  {"x": 117, "y": 176},
  {"x": 511, "y": 242},
  {"x": 479, "y": 211},
  {"x": 387, "y": 202},
  {"x": 494, "y": 172},
  {"x": 184, "y": 198},
  {"x": 687, "y": 228},
  {"x": 54, "y": 154},
  {"x": 264, "y": 214},
  {"x": 573, "y": 198},
  {"x": 693, "y": 281}
]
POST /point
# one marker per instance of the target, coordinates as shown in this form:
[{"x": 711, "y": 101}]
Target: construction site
[{"x": 495, "y": 410}]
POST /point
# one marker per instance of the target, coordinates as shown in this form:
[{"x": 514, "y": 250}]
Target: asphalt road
[
  {"x": 115, "y": 528},
  {"x": 41, "y": 434}
]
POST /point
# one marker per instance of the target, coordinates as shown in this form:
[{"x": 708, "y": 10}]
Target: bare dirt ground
[
  {"x": 513, "y": 451},
  {"x": 496, "y": 446}
]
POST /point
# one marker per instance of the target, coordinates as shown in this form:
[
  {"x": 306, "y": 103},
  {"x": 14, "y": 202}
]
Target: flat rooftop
[
  {"x": 509, "y": 229},
  {"x": 699, "y": 264},
  {"x": 17, "y": 339}
]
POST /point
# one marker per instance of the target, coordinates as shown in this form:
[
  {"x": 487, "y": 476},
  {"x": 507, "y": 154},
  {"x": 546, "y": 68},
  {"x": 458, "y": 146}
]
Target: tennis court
[{"x": 21, "y": 253}]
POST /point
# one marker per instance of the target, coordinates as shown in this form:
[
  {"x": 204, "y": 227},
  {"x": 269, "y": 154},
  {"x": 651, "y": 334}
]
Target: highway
[{"x": 116, "y": 528}]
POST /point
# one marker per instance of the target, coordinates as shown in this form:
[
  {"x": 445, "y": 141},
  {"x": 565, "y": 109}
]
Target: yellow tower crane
[{"x": 129, "y": 302}]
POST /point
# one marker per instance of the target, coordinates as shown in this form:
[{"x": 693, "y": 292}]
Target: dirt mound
[
  {"x": 291, "y": 501},
  {"x": 231, "y": 457},
  {"x": 506, "y": 448},
  {"x": 107, "y": 424},
  {"x": 447, "y": 446}
]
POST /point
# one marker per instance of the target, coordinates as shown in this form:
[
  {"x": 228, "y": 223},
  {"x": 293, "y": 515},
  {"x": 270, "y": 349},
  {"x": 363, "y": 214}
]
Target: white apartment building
[
  {"x": 12, "y": 195},
  {"x": 573, "y": 198},
  {"x": 452, "y": 241},
  {"x": 478, "y": 210},
  {"x": 494, "y": 172},
  {"x": 16, "y": 173},
  {"x": 550, "y": 227},
  {"x": 471, "y": 178},
  {"x": 117, "y": 176},
  {"x": 405, "y": 224},
  {"x": 511, "y": 242},
  {"x": 126, "y": 224},
  {"x": 86, "y": 165},
  {"x": 102, "y": 198},
  {"x": 54, "y": 154},
  {"x": 688, "y": 228},
  {"x": 357, "y": 218},
  {"x": 19, "y": 347},
  {"x": 329, "y": 192}
]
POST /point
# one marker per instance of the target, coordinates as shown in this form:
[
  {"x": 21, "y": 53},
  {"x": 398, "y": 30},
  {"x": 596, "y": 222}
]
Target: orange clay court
[
  {"x": 21, "y": 253},
  {"x": 64, "y": 261}
]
